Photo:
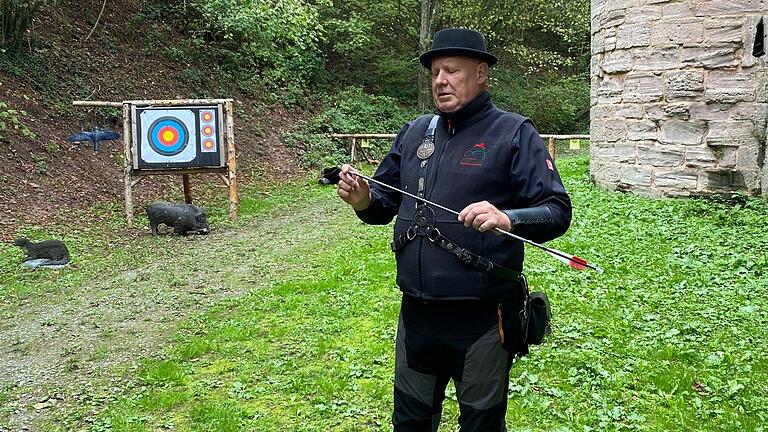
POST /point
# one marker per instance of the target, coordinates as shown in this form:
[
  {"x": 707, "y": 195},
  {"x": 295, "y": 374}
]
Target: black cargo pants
[{"x": 444, "y": 340}]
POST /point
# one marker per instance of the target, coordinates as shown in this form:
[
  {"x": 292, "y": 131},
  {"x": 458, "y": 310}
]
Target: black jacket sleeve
[
  {"x": 384, "y": 201},
  {"x": 543, "y": 207}
]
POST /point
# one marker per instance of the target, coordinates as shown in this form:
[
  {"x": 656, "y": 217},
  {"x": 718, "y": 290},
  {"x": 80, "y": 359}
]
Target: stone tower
[{"x": 679, "y": 96}]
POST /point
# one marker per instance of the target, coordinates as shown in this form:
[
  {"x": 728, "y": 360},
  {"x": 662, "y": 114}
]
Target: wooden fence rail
[{"x": 355, "y": 147}]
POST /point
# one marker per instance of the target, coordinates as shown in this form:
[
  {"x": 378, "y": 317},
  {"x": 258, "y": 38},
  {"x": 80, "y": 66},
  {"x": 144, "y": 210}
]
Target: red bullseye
[
  {"x": 207, "y": 116},
  {"x": 208, "y": 130},
  {"x": 168, "y": 136},
  {"x": 208, "y": 144}
]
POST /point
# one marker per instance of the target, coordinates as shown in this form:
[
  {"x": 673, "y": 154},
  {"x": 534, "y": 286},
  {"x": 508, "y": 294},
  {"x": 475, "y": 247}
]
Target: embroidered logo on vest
[{"x": 474, "y": 156}]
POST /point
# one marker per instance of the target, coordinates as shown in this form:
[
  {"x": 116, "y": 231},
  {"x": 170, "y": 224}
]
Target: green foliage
[
  {"x": 272, "y": 42},
  {"x": 15, "y": 18},
  {"x": 349, "y": 111},
  {"x": 531, "y": 36},
  {"x": 12, "y": 120},
  {"x": 556, "y": 104},
  {"x": 670, "y": 337}
]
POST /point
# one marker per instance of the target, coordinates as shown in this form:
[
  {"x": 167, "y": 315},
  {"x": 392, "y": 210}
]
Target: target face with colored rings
[
  {"x": 168, "y": 136},
  {"x": 207, "y": 130},
  {"x": 207, "y": 116}
]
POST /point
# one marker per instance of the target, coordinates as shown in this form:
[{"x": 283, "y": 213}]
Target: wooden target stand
[{"x": 133, "y": 176}]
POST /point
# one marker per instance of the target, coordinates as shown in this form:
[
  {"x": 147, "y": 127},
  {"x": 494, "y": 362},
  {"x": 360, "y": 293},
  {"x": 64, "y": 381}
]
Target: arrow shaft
[{"x": 551, "y": 251}]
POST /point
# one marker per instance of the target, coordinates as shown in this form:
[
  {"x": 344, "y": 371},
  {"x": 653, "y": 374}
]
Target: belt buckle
[{"x": 433, "y": 234}]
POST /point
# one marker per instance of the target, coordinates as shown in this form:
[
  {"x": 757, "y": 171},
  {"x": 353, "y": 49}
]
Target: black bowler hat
[{"x": 458, "y": 42}]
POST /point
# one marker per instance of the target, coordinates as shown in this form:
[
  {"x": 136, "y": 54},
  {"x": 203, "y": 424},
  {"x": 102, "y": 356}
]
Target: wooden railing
[{"x": 355, "y": 146}]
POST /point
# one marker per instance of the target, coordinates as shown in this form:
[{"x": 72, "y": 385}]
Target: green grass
[{"x": 671, "y": 337}]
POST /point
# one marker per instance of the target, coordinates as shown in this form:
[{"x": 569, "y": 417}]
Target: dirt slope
[{"x": 47, "y": 178}]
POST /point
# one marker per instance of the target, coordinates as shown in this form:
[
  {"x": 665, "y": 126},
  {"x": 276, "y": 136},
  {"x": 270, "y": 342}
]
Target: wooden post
[
  {"x": 127, "y": 164},
  {"x": 352, "y": 145},
  {"x": 231, "y": 162},
  {"x": 187, "y": 189},
  {"x": 552, "y": 147}
]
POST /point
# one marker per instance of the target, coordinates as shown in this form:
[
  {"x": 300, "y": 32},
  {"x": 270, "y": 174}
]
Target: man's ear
[{"x": 482, "y": 73}]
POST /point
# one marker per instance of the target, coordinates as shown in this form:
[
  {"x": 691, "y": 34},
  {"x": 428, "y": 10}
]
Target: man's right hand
[{"x": 354, "y": 190}]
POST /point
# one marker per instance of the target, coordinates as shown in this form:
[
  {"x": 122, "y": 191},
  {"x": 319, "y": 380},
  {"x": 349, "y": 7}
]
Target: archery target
[
  {"x": 178, "y": 137},
  {"x": 168, "y": 135},
  {"x": 209, "y": 140}
]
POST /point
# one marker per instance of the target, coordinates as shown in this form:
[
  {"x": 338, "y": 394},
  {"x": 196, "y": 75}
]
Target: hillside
[{"x": 46, "y": 178}]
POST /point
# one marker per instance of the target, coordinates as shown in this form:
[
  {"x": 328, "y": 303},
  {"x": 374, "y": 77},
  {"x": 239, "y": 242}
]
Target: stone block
[
  {"x": 723, "y": 180},
  {"x": 757, "y": 113},
  {"x": 680, "y": 111},
  {"x": 633, "y": 35},
  {"x": 598, "y": 42},
  {"x": 612, "y": 18},
  {"x": 731, "y": 86},
  {"x": 724, "y": 30},
  {"x": 607, "y": 130},
  {"x": 700, "y": 157},
  {"x": 677, "y": 179},
  {"x": 681, "y": 132},
  {"x": 631, "y": 111},
  {"x": 657, "y": 58},
  {"x": 643, "y": 88},
  {"x": 710, "y": 57},
  {"x": 642, "y": 130},
  {"x": 609, "y": 90},
  {"x": 764, "y": 181},
  {"x": 616, "y": 152},
  {"x": 643, "y": 14},
  {"x": 618, "y": 61},
  {"x": 684, "y": 84},
  {"x": 747, "y": 157},
  {"x": 686, "y": 32},
  {"x": 710, "y": 112},
  {"x": 636, "y": 176},
  {"x": 713, "y": 8},
  {"x": 677, "y": 10},
  {"x": 621, "y": 4},
  {"x": 603, "y": 112},
  {"x": 730, "y": 133},
  {"x": 659, "y": 156},
  {"x": 605, "y": 173},
  {"x": 656, "y": 112}
]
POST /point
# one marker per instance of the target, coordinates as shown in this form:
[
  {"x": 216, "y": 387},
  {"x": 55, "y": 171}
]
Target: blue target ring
[{"x": 168, "y": 136}]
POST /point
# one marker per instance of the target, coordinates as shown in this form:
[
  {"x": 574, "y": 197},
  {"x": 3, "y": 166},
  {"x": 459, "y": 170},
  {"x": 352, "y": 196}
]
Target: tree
[
  {"x": 429, "y": 11},
  {"x": 15, "y": 19}
]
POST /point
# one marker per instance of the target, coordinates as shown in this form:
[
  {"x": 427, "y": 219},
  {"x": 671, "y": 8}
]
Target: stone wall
[{"x": 679, "y": 103}]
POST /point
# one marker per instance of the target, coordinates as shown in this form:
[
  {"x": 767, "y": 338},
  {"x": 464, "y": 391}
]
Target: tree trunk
[{"x": 429, "y": 11}]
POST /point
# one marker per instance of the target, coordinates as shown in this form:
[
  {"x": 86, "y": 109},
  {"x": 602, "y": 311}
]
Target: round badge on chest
[{"x": 426, "y": 149}]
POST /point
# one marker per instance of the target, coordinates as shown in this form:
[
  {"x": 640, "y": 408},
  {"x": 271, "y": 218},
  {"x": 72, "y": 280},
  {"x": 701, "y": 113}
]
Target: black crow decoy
[{"x": 94, "y": 137}]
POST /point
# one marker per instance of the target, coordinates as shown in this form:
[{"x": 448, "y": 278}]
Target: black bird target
[{"x": 177, "y": 137}]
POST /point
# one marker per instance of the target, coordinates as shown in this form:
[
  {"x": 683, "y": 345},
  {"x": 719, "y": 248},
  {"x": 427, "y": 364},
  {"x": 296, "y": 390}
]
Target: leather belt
[{"x": 423, "y": 225}]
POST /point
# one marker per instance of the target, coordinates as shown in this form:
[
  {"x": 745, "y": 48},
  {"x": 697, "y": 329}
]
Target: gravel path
[{"x": 58, "y": 347}]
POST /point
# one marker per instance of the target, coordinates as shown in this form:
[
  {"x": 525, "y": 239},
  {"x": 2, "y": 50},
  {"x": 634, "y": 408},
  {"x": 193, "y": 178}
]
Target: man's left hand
[{"x": 483, "y": 216}]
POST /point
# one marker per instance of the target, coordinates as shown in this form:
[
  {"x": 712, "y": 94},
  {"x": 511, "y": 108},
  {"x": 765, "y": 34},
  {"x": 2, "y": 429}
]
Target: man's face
[{"x": 456, "y": 81}]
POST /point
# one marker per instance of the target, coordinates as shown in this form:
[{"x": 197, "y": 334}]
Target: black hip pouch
[{"x": 524, "y": 318}]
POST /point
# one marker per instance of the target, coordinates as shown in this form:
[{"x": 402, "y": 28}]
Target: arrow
[{"x": 568, "y": 259}]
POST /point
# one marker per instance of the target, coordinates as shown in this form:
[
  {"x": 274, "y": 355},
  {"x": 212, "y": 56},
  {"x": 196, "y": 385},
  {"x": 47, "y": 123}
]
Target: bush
[
  {"x": 15, "y": 18},
  {"x": 556, "y": 104},
  {"x": 349, "y": 111},
  {"x": 272, "y": 42}
]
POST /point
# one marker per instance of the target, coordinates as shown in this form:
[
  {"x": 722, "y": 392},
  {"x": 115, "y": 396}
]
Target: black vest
[{"x": 472, "y": 162}]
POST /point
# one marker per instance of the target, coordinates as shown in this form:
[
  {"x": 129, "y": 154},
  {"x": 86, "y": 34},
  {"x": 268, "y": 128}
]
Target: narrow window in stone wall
[{"x": 759, "y": 49}]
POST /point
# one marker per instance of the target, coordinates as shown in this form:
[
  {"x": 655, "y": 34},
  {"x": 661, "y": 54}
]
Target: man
[{"x": 455, "y": 273}]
